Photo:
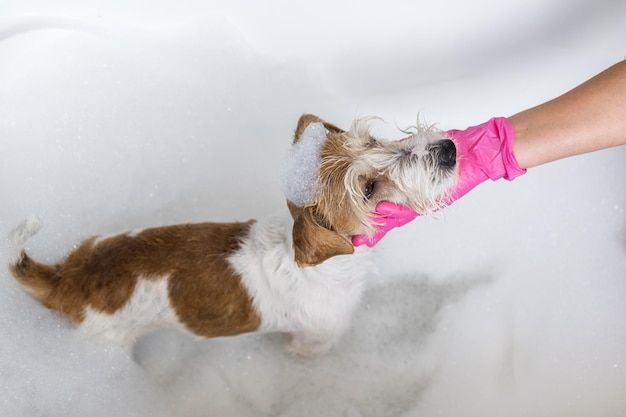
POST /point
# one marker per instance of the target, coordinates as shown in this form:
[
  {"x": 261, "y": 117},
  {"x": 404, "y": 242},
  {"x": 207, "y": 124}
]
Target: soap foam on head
[{"x": 300, "y": 173}]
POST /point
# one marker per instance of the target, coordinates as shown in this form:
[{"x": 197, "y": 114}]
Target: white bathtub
[{"x": 116, "y": 116}]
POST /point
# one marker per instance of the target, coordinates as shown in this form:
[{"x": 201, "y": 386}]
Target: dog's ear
[
  {"x": 306, "y": 119},
  {"x": 312, "y": 242}
]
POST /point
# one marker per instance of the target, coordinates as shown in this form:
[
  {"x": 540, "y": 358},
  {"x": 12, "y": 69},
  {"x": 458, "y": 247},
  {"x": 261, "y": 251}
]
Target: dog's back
[
  {"x": 211, "y": 279},
  {"x": 104, "y": 276}
]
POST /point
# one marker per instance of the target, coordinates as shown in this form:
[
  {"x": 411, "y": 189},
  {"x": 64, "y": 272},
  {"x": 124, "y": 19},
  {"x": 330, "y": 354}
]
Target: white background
[{"x": 123, "y": 114}]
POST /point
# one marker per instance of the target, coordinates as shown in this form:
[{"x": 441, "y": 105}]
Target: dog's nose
[{"x": 447, "y": 153}]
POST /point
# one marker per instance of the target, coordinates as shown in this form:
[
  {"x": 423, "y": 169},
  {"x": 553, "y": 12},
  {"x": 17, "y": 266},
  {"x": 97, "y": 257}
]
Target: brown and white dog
[{"x": 296, "y": 273}]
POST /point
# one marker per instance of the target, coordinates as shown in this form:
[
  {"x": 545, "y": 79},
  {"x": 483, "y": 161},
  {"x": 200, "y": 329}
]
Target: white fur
[
  {"x": 131, "y": 233},
  {"x": 147, "y": 310},
  {"x": 314, "y": 304}
]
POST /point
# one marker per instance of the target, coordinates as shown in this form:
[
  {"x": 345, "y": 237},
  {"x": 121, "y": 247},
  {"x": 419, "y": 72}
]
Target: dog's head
[{"x": 335, "y": 178}]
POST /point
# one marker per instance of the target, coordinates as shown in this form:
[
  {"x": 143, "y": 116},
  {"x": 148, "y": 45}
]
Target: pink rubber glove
[
  {"x": 388, "y": 216},
  {"x": 483, "y": 152}
]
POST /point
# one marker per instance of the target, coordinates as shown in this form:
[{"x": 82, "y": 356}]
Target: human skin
[{"x": 587, "y": 118}]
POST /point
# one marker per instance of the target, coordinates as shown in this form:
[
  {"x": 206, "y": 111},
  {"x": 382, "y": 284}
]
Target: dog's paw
[{"x": 307, "y": 349}]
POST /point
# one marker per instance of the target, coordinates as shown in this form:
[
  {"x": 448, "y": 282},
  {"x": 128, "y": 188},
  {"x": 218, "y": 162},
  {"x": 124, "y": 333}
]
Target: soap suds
[{"x": 299, "y": 176}]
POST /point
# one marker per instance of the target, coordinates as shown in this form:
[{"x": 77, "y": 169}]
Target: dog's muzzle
[{"x": 445, "y": 151}]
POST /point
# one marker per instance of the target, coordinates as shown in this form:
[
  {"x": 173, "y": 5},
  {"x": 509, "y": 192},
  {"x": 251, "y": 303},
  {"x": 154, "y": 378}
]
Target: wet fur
[{"x": 296, "y": 272}]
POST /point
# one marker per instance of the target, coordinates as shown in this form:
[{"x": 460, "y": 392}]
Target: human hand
[
  {"x": 387, "y": 216},
  {"x": 483, "y": 152}
]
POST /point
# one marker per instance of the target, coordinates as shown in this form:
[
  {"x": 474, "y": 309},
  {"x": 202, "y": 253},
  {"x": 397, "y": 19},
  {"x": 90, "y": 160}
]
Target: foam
[
  {"x": 510, "y": 303},
  {"x": 299, "y": 176}
]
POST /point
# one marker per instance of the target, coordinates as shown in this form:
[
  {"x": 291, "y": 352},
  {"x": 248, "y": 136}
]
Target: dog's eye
[{"x": 370, "y": 187}]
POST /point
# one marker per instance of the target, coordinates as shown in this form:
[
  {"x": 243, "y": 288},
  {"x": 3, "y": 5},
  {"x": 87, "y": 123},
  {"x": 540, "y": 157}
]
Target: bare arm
[{"x": 590, "y": 117}]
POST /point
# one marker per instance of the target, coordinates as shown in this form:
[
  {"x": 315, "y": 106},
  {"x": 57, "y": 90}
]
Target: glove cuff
[{"x": 505, "y": 131}]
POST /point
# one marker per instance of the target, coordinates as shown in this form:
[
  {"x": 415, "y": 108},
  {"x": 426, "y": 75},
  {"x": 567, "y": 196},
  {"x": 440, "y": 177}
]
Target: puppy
[{"x": 296, "y": 272}]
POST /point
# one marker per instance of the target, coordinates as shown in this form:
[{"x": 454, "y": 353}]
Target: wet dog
[{"x": 296, "y": 272}]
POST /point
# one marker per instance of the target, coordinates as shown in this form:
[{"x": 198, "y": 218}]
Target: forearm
[{"x": 590, "y": 117}]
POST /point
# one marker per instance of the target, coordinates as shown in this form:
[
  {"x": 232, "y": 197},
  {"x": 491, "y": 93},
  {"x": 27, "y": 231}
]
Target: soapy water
[
  {"x": 509, "y": 302},
  {"x": 300, "y": 172}
]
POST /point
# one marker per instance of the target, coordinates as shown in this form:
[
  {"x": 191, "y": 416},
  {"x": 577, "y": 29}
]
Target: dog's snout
[{"x": 447, "y": 153}]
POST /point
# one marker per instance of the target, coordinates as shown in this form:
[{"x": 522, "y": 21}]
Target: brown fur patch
[
  {"x": 333, "y": 205},
  {"x": 306, "y": 119},
  {"x": 38, "y": 279},
  {"x": 319, "y": 233},
  {"x": 313, "y": 242},
  {"x": 205, "y": 292}
]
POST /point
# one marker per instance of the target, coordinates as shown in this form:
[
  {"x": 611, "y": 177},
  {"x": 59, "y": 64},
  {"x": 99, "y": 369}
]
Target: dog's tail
[{"x": 38, "y": 279}]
